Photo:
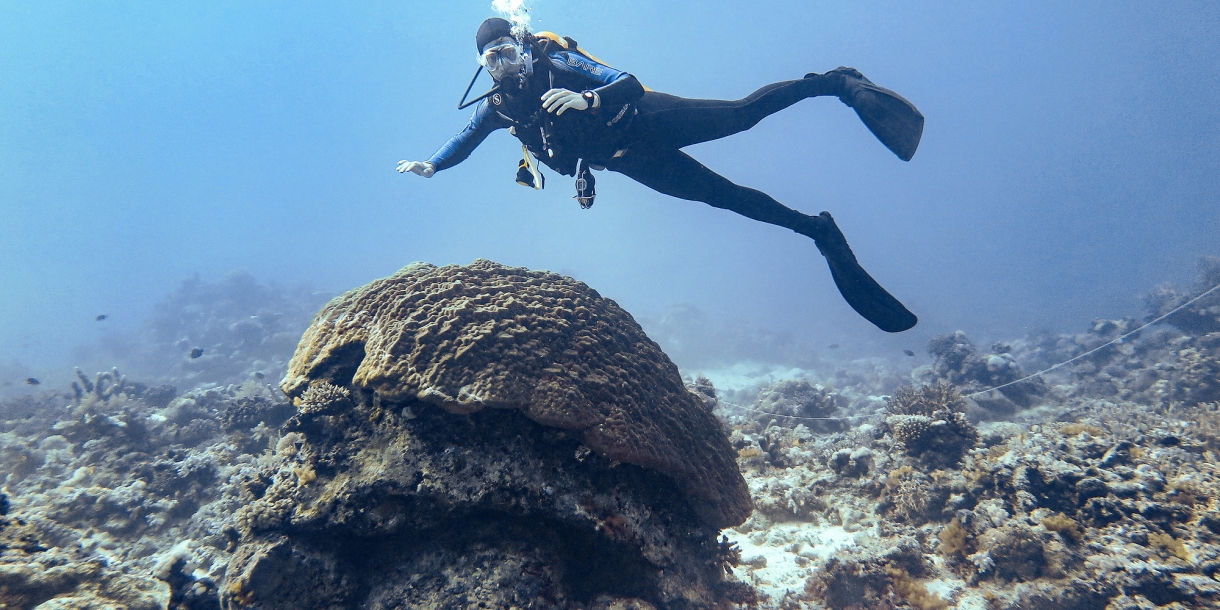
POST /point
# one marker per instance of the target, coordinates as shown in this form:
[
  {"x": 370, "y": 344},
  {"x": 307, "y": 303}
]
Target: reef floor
[{"x": 1095, "y": 486}]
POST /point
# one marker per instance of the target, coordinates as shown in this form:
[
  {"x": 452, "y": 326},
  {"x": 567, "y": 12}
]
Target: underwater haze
[{"x": 1070, "y": 163}]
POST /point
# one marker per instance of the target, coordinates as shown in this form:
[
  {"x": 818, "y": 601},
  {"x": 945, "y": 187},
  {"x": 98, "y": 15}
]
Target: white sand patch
[
  {"x": 944, "y": 587},
  {"x": 972, "y": 599},
  {"x": 748, "y": 375},
  {"x": 777, "y": 560}
]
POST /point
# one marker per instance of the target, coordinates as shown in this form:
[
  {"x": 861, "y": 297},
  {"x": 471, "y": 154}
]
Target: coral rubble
[
  {"x": 119, "y": 500},
  {"x": 1093, "y": 487}
]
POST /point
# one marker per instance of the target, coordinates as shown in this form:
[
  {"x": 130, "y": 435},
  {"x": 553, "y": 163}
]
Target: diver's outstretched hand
[{"x": 419, "y": 168}]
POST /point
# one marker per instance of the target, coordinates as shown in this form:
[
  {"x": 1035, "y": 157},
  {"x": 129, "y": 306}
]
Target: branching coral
[
  {"x": 703, "y": 388},
  {"x": 248, "y": 412},
  {"x": 1064, "y": 526},
  {"x": 930, "y": 424},
  {"x": 107, "y": 385},
  {"x": 870, "y": 578},
  {"x": 952, "y": 539},
  {"x": 926, "y": 400},
  {"x": 913, "y": 497},
  {"x": 1013, "y": 552},
  {"x": 323, "y": 397},
  {"x": 914, "y": 591},
  {"x": 1168, "y": 546}
]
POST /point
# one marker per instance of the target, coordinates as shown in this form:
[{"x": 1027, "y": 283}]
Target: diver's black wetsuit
[
  {"x": 667, "y": 123},
  {"x": 640, "y": 134},
  {"x": 646, "y": 129}
]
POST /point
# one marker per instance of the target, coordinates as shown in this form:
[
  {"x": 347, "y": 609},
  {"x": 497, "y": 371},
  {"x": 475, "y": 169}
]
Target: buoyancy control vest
[{"x": 572, "y": 142}]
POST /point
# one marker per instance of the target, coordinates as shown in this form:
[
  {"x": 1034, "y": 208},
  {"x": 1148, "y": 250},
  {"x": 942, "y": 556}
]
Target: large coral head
[{"x": 490, "y": 336}]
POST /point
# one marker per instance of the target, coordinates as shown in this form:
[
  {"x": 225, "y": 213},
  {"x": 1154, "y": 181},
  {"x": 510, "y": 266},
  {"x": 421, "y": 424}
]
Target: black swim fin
[
  {"x": 894, "y": 120},
  {"x": 858, "y": 288}
]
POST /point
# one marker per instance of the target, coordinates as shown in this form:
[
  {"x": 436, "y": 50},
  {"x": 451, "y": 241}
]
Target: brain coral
[{"x": 485, "y": 335}]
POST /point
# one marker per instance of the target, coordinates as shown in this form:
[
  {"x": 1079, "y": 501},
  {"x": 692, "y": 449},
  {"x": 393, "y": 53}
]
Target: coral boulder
[
  {"x": 487, "y": 433},
  {"x": 466, "y": 338}
]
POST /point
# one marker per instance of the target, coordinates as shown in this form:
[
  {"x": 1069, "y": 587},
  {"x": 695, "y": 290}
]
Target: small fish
[
  {"x": 833, "y": 346},
  {"x": 31, "y": 381},
  {"x": 909, "y": 352},
  {"x": 259, "y": 375},
  {"x": 100, "y": 317},
  {"x": 197, "y": 352}
]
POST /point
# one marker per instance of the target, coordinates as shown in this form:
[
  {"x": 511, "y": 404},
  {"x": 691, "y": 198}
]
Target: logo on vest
[
  {"x": 497, "y": 99},
  {"x": 591, "y": 68}
]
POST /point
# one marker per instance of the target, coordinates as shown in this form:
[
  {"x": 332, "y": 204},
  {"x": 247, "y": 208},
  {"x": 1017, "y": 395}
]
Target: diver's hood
[{"x": 490, "y": 30}]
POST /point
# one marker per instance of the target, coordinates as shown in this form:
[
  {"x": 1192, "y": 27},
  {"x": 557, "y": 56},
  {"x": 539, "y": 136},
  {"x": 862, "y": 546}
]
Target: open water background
[{"x": 1070, "y": 162}]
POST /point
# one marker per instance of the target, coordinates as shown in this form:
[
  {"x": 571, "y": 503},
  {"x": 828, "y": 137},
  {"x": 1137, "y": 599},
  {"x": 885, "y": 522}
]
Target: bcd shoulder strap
[{"x": 568, "y": 43}]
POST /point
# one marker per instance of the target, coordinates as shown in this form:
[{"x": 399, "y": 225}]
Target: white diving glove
[
  {"x": 558, "y": 100},
  {"x": 419, "y": 168}
]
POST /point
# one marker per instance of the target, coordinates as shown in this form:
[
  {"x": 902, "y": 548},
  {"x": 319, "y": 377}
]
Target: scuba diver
[{"x": 574, "y": 113}]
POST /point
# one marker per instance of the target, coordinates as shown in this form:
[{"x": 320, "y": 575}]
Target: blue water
[{"x": 1070, "y": 161}]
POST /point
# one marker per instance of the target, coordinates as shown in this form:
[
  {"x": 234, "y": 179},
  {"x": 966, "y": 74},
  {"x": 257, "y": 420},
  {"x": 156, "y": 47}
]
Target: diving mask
[{"x": 502, "y": 59}]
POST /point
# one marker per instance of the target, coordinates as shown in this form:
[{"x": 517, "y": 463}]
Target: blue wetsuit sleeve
[
  {"x": 482, "y": 123},
  {"x": 613, "y": 87}
]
